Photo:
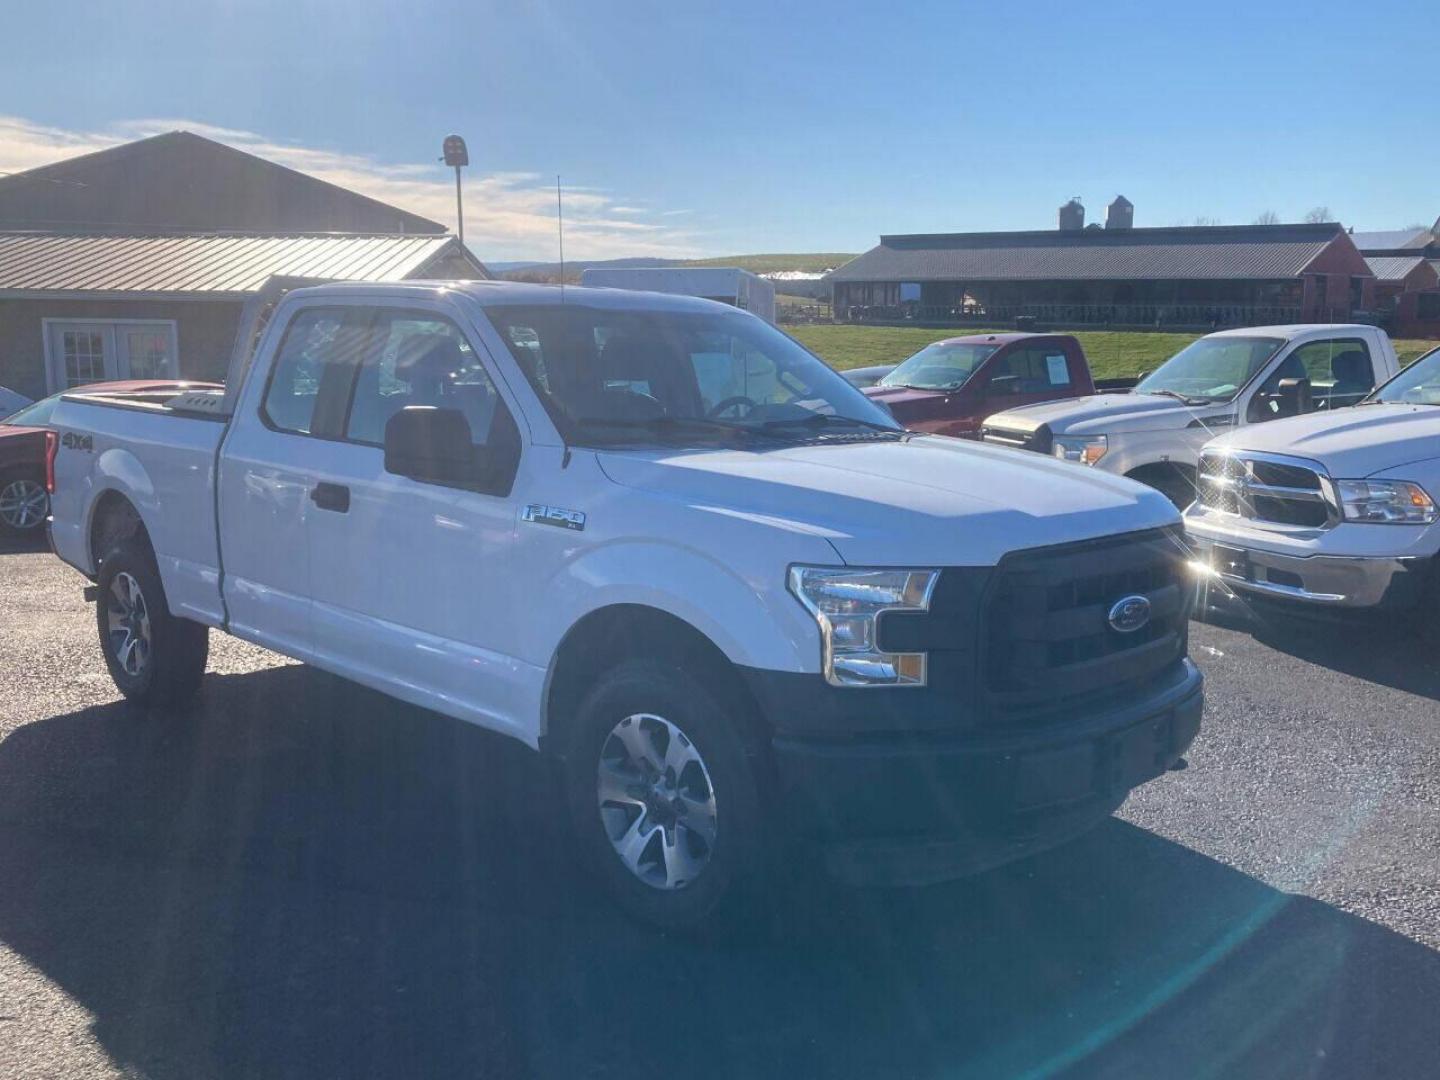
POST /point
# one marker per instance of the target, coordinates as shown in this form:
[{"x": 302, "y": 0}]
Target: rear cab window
[{"x": 316, "y": 359}]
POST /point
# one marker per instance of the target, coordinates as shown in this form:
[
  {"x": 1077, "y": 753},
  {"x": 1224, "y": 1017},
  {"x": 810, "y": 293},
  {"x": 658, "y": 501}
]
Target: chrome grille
[
  {"x": 1263, "y": 487},
  {"x": 1038, "y": 440}
]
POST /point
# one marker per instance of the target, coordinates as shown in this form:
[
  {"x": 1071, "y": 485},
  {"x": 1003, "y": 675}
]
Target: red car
[
  {"x": 950, "y": 387},
  {"x": 24, "y": 504}
]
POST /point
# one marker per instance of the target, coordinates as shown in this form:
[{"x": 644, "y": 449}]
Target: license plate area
[
  {"x": 1106, "y": 766},
  {"x": 1231, "y": 562}
]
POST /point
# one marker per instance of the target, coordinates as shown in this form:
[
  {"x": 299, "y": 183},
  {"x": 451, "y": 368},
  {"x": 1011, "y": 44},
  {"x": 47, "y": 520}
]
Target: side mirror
[
  {"x": 432, "y": 445},
  {"x": 1003, "y": 385}
]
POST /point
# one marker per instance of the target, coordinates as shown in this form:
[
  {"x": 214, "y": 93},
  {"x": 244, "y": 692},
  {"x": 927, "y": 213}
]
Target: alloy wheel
[
  {"x": 23, "y": 504},
  {"x": 656, "y": 801},
  {"x": 129, "y": 624}
]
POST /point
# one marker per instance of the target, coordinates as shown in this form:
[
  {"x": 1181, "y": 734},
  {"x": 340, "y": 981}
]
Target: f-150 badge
[{"x": 554, "y": 515}]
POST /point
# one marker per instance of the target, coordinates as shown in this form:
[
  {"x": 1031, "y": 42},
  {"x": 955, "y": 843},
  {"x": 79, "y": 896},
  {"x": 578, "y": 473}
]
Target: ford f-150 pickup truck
[
  {"x": 655, "y": 539},
  {"x": 950, "y": 386},
  {"x": 1226, "y": 380},
  {"x": 1330, "y": 511}
]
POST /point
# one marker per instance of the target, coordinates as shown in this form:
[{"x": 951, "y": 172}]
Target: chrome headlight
[
  {"x": 1385, "y": 502},
  {"x": 847, "y": 604},
  {"x": 1086, "y": 449}
]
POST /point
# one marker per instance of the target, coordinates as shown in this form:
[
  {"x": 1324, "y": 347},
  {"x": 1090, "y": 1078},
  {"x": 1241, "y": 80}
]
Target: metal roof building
[
  {"x": 213, "y": 267},
  {"x": 1406, "y": 265},
  {"x": 136, "y": 261},
  {"x": 1190, "y": 275}
]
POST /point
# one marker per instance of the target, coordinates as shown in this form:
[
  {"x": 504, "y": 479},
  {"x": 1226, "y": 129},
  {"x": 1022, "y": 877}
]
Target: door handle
[{"x": 334, "y": 497}]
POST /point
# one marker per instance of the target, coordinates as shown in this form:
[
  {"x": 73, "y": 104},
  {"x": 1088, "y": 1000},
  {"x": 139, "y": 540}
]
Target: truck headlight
[
  {"x": 1086, "y": 449},
  {"x": 1385, "y": 502},
  {"x": 847, "y": 604}
]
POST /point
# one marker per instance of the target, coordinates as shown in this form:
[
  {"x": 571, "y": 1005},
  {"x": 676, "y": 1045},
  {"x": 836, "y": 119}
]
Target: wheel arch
[
  {"x": 1168, "y": 477},
  {"x": 609, "y": 635},
  {"x": 113, "y": 515}
]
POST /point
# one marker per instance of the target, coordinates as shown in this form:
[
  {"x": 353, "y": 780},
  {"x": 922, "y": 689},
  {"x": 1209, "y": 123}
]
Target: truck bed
[{"x": 162, "y": 451}]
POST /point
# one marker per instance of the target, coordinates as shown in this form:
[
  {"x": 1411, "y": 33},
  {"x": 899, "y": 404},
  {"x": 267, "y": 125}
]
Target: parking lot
[{"x": 300, "y": 877}]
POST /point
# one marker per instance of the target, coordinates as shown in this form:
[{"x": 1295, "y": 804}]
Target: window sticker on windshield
[{"x": 1059, "y": 371}]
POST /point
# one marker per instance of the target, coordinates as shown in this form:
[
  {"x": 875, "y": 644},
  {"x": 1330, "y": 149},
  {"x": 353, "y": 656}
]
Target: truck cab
[
  {"x": 1226, "y": 380},
  {"x": 950, "y": 386}
]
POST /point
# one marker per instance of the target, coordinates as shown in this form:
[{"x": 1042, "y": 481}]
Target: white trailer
[{"x": 728, "y": 284}]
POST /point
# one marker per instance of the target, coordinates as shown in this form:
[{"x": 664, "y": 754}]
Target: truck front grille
[
  {"x": 1050, "y": 648},
  {"x": 1265, "y": 488},
  {"x": 1039, "y": 440}
]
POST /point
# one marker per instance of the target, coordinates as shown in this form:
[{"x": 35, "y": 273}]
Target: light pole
[{"x": 457, "y": 155}]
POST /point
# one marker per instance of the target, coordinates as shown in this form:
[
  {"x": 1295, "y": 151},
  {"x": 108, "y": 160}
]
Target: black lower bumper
[{"x": 912, "y": 809}]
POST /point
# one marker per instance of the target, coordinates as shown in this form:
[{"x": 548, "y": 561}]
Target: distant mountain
[{"x": 784, "y": 268}]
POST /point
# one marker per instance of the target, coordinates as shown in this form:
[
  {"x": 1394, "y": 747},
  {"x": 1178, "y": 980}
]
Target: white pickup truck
[
  {"x": 1331, "y": 510},
  {"x": 1226, "y": 380},
  {"x": 655, "y": 539}
]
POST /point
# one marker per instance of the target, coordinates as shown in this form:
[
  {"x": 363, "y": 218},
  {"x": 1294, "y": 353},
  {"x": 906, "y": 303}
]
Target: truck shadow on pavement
[
  {"x": 1389, "y": 652},
  {"x": 299, "y": 877}
]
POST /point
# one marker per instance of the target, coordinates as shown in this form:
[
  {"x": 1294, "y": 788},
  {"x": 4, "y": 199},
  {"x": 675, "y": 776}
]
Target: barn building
[
  {"x": 1406, "y": 265},
  {"x": 1115, "y": 275},
  {"x": 135, "y": 261}
]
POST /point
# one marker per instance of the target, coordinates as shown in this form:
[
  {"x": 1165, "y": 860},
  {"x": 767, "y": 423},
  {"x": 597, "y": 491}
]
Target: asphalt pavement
[{"x": 299, "y": 877}]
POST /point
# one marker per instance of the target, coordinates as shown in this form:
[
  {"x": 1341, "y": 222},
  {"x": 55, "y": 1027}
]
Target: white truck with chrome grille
[
  {"x": 1229, "y": 379},
  {"x": 655, "y": 539},
  {"x": 1333, "y": 510}
]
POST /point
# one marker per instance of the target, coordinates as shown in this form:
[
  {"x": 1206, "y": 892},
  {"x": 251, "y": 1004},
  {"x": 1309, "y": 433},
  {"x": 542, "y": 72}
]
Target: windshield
[
  {"x": 941, "y": 366},
  {"x": 36, "y": 415},
  {"x": 610, "y": 376},
  {"x": 1419, "y": 384},
  {"x": 1212, "y": 369}
]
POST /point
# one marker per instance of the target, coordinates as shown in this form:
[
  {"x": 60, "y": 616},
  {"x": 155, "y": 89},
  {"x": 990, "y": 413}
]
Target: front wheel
[
  {"x": 154, "y": 657},
  {"x": 664, "y": 798}
]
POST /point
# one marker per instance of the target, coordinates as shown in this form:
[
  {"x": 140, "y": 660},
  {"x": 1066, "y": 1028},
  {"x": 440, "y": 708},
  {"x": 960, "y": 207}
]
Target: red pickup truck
[{"x": 951, "y": 386}]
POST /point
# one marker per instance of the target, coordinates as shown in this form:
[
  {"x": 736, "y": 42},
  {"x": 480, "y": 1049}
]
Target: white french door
[{"x": 80, "y": 351}]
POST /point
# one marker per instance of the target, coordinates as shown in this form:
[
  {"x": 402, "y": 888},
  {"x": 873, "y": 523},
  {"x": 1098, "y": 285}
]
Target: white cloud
[{"x": 508, "y": 215}]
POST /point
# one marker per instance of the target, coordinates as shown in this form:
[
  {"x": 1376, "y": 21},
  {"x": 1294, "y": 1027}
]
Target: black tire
[
  {"x": 17, "y": 487},
  {"x": 734, "y": 874},
  {"x": 168, "y": 670}
]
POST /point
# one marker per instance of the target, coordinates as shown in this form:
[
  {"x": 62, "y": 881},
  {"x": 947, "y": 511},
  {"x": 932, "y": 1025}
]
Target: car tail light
[{"x": 52, "y": 446}]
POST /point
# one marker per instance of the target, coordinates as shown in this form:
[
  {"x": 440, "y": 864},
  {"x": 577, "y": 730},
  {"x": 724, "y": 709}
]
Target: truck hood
[
  {"x": 905, "y": 403},
  {"x": 1355, "y": 442},
  {"x": 900, "y": 395},
  {"x": 924, "y": 501},
  {"x": 1103, "y": 414}
]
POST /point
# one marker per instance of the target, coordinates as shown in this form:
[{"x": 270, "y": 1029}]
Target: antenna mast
[{"x": 560, "y": 226}]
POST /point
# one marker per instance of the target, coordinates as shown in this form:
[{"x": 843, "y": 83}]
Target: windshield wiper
[
  {"x": 824, "y": 420},
  {"x": 667, "y": 426},
  {"x": 1187, "y": 399}
]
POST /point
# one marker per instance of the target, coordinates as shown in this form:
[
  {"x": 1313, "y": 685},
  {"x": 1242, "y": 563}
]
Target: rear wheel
[
  {"x": 663, "y": 797},
  {"x": 154, "y": 657},
  {"x": 24, "y": 503}
]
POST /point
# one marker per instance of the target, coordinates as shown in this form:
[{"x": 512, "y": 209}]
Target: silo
[
  {"x": 1120, "y": 214},
  {"x": 1072, "y": 216}
]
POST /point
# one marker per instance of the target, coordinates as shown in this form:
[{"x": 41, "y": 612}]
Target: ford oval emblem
[{"x": 1128, "y": 614}]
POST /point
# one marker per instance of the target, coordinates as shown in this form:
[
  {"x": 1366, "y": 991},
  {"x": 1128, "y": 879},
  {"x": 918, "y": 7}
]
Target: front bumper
[
  {"x": 1311, "y": 580},
  {"x": 909, "y": 809}
]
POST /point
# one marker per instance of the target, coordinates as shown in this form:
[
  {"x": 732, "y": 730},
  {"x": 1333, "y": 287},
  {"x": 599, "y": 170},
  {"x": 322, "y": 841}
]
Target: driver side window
[{"x": 1319, "y": 375}]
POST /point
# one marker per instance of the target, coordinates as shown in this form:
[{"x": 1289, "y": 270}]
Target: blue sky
[{"x": 721, "y": 128}]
